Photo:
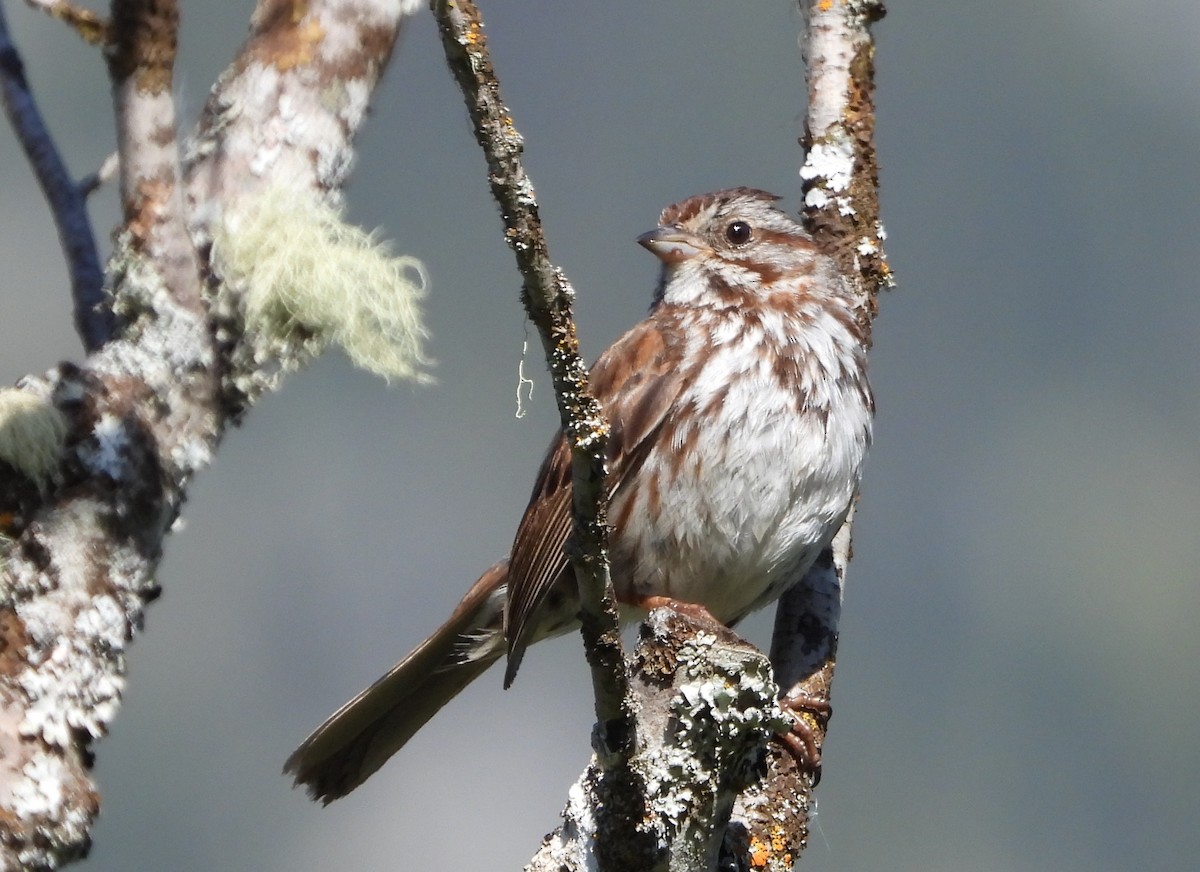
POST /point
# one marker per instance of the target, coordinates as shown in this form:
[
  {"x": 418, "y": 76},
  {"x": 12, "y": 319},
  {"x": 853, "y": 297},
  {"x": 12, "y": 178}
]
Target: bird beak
[{"x": 671, "y": 245}]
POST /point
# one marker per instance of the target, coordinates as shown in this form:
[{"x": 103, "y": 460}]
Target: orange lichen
[
  {"x": 773, "y": 854},
  {"x": 759, "y": 854},
  {"x": 285, "y": 34}
]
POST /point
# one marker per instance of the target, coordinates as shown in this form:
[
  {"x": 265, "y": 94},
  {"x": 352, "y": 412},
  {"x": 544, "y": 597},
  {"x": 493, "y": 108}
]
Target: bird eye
[{"x": 738, "y": 232}]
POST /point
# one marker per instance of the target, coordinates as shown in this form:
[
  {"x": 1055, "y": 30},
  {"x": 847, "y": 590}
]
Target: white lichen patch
[
  {"x": 721, "y": 723},
  {"x": 306, "y": 274},
  {"x": 105, "y": 451},
  {"x": 32, "y": 433},
  {"x": 74, "y": 682},
  {"x": 573, "y": 845},
  {"x": 830, "y": 166},
  {"x": 40, "y": 789},
  {"x": 167, "y": 346}
]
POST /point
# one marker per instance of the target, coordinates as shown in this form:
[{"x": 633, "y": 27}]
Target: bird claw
[
  {"x": 695, "y": 611},
  {"x": 810, "y": 717}
]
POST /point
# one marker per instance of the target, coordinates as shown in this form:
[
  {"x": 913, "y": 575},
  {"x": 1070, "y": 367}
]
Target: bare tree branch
[
  {"x": 841, "y": 210},
  {"x": 136, "y": 420},
  {"x": 615, "y": 787},
  {"x": 91, "y": 27},
  {"x": 706, "y": 704},
  {"x": 141, "y": 57},
  {"x": 67, "y": 199},
  {"x": 840, "y": 172},
  {"x": 548, "y": 297},
  {"x": 103, "y": 174}
]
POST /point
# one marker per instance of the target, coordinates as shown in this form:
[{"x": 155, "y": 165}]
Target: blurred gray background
[{"x": 1019, "y": 676}]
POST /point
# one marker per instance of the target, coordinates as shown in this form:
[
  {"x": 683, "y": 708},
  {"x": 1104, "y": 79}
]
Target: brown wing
[{"x": 636, "y": 381}]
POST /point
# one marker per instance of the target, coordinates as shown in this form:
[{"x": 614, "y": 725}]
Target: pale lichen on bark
[
  {"x": 706, "y": 711},
  {"x": 840, "y": 173},
  {"x": 841, "y": 210},
  {"x": 80, "y": 543}
]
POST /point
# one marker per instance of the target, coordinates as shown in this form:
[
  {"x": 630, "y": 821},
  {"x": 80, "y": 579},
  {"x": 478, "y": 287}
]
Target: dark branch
[
  {"x": 66, "y": 198},
  {"x": 547, "y": 296}
]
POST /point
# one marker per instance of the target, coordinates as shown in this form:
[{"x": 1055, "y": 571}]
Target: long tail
[{"x": 360, "y": 736}]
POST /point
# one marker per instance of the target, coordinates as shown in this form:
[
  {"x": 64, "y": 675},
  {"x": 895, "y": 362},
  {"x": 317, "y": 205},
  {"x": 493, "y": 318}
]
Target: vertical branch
[
  {"x": 841, "y": 210},
  {"x": 840, "y": 173},
  {"x": 66, "y": 198},
  {"x": 140, "y": 50}
]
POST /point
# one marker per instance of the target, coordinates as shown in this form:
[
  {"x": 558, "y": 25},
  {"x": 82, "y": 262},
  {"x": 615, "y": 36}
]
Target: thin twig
[
  {"x": 92, "y": 28},
  {"x": 547, "y": 296},
  {"x": 67, "y": 200},
  {"x": 92, "y": 182}
]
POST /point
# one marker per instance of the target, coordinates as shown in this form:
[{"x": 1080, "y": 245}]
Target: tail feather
[{"x": 360, "y": 736}]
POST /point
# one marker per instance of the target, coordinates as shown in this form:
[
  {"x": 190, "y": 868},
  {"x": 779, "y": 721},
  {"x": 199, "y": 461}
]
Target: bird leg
[
  {"x": 695, "y": 611},
  {"x": 810, "y": 717}
]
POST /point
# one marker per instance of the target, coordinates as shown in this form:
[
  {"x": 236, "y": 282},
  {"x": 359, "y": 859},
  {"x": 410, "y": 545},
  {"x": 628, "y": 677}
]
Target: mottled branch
[
  {"x": 841, "y": 210},
  {"x": 140, "y": 51},
  {"x": 66, "y": 198},
  {"x": 707, "y": 711},
  {"x": 282, "y": 118},
  {"x": 81, "y": 536},
  {"x": 92, "y": 28},
  {"x": 548, "y": 296},
  {"x": 840, "y": 172}
]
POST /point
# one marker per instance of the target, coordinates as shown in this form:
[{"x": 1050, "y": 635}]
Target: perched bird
[{"x": 740, "y": 417}]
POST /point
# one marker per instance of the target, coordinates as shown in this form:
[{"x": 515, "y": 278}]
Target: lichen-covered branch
[
  {"x": 841, "y": 209},
  {"x": 840, "y": 172},
  {"x": 548, "y": 296},
  {"x": 274, "y": 147},
  {"x": 707, "y": 708},
  {"x": 95, "y": 458},
  {"x": 66, "y": 198}
]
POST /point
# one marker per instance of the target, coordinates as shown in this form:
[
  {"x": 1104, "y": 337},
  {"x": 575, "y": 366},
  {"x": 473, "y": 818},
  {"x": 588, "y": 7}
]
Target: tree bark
[{"x": 146, "y": 410}]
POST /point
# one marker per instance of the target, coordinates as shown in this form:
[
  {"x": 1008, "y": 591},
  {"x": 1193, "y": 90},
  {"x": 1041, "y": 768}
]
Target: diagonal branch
[
  {"x": 616, "y": 787},
  {"x": 547, "y": 296},
  {"x": 92, "y": 28},
  {"x": 66, "y": 198}
]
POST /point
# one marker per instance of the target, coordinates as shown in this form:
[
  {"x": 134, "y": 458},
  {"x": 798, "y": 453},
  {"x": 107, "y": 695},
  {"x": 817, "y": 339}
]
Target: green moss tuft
[
  {"x": 32, "y": 433},
  {"x": 306, "y": 273}
]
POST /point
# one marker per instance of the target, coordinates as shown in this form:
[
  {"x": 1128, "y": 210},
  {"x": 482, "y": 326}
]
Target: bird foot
[
  {"x": 695, "y": 611},
  {"x": 810, "y": 717}
]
